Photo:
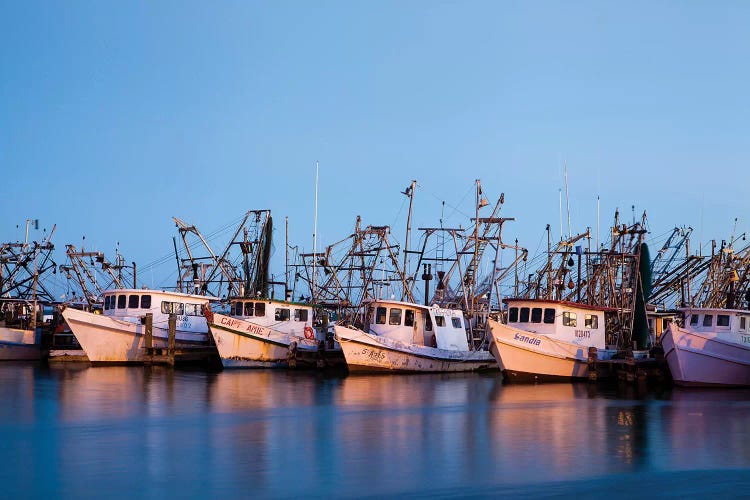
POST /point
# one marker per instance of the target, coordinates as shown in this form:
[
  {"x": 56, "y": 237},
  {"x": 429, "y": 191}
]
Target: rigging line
[{"x": 455, "y": 209}]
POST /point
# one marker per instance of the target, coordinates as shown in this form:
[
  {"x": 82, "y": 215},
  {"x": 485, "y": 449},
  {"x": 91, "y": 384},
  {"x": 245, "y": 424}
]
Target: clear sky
[{"x": 116, "y": 116}]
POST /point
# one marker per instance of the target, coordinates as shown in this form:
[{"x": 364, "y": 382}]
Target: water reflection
[{"x": 71, "y": 431}]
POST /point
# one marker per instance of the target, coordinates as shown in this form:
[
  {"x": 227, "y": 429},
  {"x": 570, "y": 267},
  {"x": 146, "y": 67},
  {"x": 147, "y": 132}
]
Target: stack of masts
[
  {"x": 363, "y": 266},
  {"x": 81, "y": 270},
  {"x": 464, "y": 285},
  {"x": 21, "y": 267},
  {"x": 217, "y": 274},
  {"x": 725, "y": 282},
  {"x": 674, "y": 270}
]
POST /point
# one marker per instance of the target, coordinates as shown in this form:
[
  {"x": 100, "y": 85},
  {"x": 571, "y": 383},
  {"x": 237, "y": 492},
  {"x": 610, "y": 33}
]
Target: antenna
[
  {"x": 315, "y": 233},
  {"x": 567, "y": 199},
  {"x": 598, "y": 207},
  {"x": 561, "y": 225}
]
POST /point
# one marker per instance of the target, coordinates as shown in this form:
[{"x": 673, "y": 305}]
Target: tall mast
[
  {"x": 315, "y": 235},
  {"x": 561, "y": 224},
  {"x": 286, "y": 258},
  {"x": 410, "y": 193},
  {"x": 567, "y": 199}
]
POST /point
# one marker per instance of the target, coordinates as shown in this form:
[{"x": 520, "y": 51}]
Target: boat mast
[
  {"x": 567, "y": 199},
  {"x": 286, "y": 258},
  {"x": 315, "y": 235},
  {"x": 409, "y": 191}
]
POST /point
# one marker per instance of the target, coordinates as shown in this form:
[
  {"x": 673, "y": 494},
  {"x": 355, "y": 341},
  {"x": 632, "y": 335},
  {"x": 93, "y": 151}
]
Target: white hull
[
  {"x": 18, "y": 345},
  {"x": 701, "y": 359},
  {"x": 242, "y": 344},
  {"x": 105, "y": 339},
  {"x": 526, "y": 355},
  {"x": 368, "y": 352}
]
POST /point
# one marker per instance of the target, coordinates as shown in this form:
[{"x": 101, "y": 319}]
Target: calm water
[{"x": 150, "y": 432}]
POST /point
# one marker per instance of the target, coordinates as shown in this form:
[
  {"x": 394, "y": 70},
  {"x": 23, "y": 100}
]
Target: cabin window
[
  {"x": 524, "y": 315},
  {"x": 260, "y": 308},
  {"x": 456, "y": 323},
  {"x": 106, "y": 302},
  {"x": 708, "y": 319},
  {"x": 536, "y": 315},
  {"x": 427, "y": 323},
  {"x": 693, "y": 319},
  {"x": 121, "y": 300},
  {"x": 380, "y": 316},
  {"x": 145, "y": 301},
  {"x": 742, "y": 323},
  {"x": 300, "y": 315},
  {"x": 591, "y": 321},
  {"x": 439, "y": 321},
  {"x": 513, "y": 315},
  {"x": 193, "y": 309},
  {"x": 172, "y": 307},
  {"x": 665, "y": 323},
  {"x": 281, "y": 314},
  {"x": 395, "y": 317},
  {"x": 722, "y": 320},
  {"x": 133, "y": 301},
  {"x": 249, "y": 308},
  {"x": 569, "y": 319},
  {"x": 549, "y": 315},
  {"x": 409, "y": 317}
]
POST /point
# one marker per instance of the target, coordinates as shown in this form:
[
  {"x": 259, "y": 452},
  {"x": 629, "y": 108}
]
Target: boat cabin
[
  {"x": 580, "y": 324},
  {"x": 285, "y": 317},
  {"x": 712, "y": 320},
  {"x": 134, "y": 304},
  {"x": 658, "y": 322},
  {"x": 417, "y": 324}
]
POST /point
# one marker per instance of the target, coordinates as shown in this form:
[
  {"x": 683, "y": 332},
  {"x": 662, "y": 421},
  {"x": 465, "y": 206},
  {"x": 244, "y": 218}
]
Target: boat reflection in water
[{"x": 162, "y": 432}]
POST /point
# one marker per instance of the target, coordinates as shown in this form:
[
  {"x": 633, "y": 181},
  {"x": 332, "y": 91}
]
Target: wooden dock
[
  {"x": 627, "y": 369},
  {"x": 171, "y": 355}
]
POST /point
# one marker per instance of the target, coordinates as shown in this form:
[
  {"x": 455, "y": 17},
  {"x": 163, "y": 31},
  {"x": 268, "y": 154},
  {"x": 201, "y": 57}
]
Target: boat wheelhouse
[
  {"x": 117, "y": 335},
  {"x": 711, "y": 348},
  {"x": 548, "y": 339},
  {"x": 20, "y": 336},
  {"x": 271, "y": 333},
  {"x": 403, "y": 336}
]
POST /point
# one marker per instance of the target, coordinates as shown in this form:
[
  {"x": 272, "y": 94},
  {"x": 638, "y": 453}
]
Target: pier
[{"x": 171, "y": 355}]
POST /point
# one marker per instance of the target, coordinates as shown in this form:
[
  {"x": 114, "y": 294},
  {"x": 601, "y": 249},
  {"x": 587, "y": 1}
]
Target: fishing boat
[
  {"x": 20, "y": 337},
  {"x": 549, "y": 340},
  {"x": 408, "y": 337},
  {"x": 118, "y": 334},
  {"x": 24, "y": 269},
  {"x": 268, "y": 333},
  {"x": 711, "y": 348}
]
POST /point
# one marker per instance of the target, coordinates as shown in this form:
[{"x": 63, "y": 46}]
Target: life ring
[{"x": 309, "y": 332}]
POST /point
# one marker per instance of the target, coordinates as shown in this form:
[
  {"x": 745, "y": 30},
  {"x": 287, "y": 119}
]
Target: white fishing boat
[
  {"x": 20, "y": 338},
  {"x": 408, "y": 337},
  {"x": 712, "y": 348},
  {"x": 548, "y": 340},
  {"x": 267, "y": 333},
  {"x": 117, "y": 335}
]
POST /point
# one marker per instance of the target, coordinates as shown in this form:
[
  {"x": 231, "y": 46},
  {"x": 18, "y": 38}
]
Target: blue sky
[{"x": 116, "y": 116}]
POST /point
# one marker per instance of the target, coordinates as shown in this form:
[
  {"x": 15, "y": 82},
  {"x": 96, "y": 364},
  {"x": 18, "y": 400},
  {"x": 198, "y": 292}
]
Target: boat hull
[
  {"x": 107, "y": 340},
  {"x": 698, "y": 359},
  {"x": 525, "y": 356},
  {"x": 242, "y": 344},
  {"x": 365, "y": 352},
  {"x": 19, "y": 345}
]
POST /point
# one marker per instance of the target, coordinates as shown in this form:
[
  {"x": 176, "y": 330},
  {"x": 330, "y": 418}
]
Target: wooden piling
[
  {"x": 149, "y": 331},
  {"x": 171, "y": 338},
  {"x": 592, "y": 359}
]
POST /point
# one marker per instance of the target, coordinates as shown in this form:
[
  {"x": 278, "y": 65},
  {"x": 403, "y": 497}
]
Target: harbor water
[{"x": 74, "y": 431}]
